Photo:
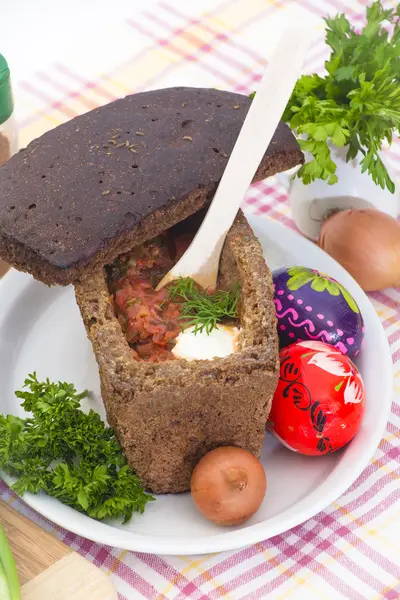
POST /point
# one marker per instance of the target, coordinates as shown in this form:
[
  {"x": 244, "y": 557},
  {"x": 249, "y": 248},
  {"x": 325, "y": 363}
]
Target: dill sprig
[{"x": 201, "y": 310}]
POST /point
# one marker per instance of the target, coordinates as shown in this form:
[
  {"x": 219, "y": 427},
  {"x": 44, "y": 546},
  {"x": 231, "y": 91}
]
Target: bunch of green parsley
[
  {"x": 357, "y": 103},
  {"x": 69, "y": 454}
]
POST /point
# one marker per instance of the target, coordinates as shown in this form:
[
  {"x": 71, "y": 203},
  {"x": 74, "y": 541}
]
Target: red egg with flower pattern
[{"x": 319, "y": 402}]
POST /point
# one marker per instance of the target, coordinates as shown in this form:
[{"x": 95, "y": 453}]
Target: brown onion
[
  {"x": 228, "y": 485},
  {"x": 366, "y": 243}
]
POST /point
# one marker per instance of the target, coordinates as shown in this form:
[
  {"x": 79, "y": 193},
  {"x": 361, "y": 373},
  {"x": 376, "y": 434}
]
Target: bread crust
[{"x": 168, "y": 415}]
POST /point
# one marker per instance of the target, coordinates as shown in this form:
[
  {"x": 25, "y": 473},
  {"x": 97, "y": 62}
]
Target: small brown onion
[
  {"x": 228, "y": 485},
  {"x": 367, "y": 244}
]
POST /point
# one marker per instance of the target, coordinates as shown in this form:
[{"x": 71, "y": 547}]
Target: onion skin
[
  {"x": 228, "y": 485},
  {"x": 366, "y": 243}
]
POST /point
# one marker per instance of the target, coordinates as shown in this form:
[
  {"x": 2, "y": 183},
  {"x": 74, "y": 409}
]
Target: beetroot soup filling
[{"x": 149, "y": 319}]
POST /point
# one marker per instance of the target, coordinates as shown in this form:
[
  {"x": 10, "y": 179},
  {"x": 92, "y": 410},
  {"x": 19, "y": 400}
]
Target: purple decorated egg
[{"x": 312, "y": 306}]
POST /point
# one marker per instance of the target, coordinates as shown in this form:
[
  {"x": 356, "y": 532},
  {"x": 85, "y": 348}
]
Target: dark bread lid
[{"x": 107, "y": 180}]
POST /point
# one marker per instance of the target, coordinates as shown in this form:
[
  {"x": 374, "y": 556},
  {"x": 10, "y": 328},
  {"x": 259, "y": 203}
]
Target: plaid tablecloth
[{"x": 96, "y": 51}]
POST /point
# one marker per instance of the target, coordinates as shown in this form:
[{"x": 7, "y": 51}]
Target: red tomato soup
[{"x": 149, "y": 320}]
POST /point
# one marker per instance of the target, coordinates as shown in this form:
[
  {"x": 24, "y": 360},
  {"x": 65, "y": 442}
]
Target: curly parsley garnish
[
  {"x": 69, "y": 454},
  {"x": 201, "y": 310},
  {"x": 356, "y": 103}
]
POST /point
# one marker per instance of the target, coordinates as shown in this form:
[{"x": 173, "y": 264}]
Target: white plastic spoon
[{"x": 201, "y": 259}]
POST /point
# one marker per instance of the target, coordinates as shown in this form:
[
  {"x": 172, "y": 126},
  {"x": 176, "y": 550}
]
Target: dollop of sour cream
[{"x": 220, "y": 342}]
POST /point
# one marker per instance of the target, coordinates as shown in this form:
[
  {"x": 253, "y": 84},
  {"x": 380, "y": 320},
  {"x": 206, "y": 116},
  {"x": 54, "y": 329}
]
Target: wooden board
[{"x": 47, "y": 568}]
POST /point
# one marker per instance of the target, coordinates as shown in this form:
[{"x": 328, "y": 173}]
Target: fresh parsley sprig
[
  {"x": 69, "y": 454},
  {"x": 356, "y": 103},
  {"x": 201, "y": 310}
]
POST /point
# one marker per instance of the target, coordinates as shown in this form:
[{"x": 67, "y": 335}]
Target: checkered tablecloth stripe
[{"x": 352, "y": 549}]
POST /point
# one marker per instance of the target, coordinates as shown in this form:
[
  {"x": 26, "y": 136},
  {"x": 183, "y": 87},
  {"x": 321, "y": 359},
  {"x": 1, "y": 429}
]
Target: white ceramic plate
[{"x": 41, "y": 329}]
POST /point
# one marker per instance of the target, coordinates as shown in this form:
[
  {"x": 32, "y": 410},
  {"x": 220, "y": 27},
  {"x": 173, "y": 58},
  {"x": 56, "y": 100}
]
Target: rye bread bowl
[
  {"x": 168, "y": 415},
  {"x": 105, "y": 182}
]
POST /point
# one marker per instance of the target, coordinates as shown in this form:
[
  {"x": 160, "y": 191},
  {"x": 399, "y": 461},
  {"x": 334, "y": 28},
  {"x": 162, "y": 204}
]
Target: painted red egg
[{"x": 320, "y": 399}]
